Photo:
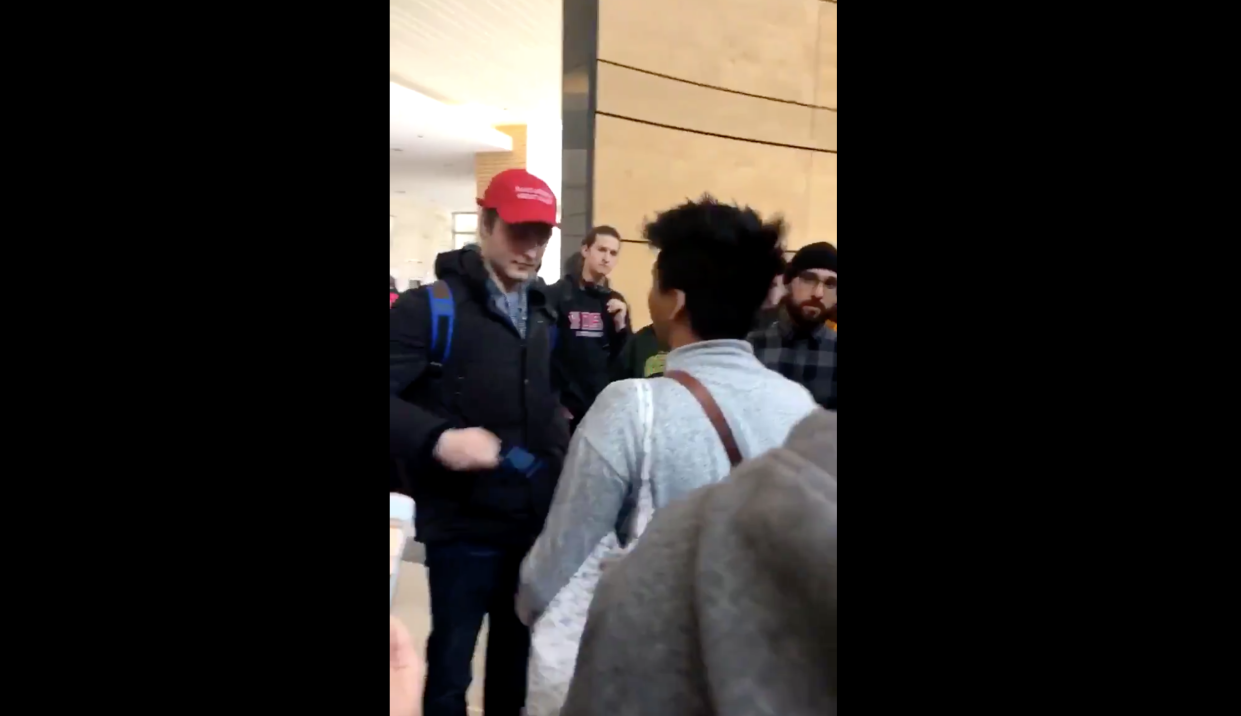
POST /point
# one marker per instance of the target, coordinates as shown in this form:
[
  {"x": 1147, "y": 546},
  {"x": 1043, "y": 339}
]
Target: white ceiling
[
  {"x": 431, "y": 150},
  {"x": 502, "y": 57},
  {"x": 421, "y": 127},
  {"x": 458, "y": 68},
  {"x": 449, "y": 185}
]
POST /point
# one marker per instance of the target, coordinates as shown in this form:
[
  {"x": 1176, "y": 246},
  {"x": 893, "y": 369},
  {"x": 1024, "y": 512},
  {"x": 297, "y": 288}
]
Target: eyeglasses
[{"x": 812, "y": 280}]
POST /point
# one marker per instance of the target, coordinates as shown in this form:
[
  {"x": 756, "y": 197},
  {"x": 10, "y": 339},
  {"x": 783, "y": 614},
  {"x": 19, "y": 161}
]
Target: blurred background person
[
  {"x": 801, "y": 345},
  {"x": 770, "y": 312},
  {"x": 646, "y": 443},
  {"x": 593, "y": 323}
]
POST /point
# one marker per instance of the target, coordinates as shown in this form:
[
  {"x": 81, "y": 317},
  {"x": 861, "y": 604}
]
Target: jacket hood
[
  {"x": 467, "y": 263},
  {"x": 461, "y": 262},
  {"x": 598, "y": 290}
]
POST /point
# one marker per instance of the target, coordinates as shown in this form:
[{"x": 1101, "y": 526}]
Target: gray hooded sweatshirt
[
  {"x": 598, "y": 488},
  {"x": 727, "y": 605}
]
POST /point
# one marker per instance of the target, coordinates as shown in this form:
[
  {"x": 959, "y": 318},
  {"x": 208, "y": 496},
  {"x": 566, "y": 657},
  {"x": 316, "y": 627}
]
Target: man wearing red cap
[{"x": 479, "y": 436}]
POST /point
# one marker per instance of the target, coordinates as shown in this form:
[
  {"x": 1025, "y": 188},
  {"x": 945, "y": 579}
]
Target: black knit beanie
[{"x": 821, "y": 255}]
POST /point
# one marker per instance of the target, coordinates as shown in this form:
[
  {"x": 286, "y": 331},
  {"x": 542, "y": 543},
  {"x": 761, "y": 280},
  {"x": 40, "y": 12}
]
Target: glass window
[{"x": 465, "y": 223}]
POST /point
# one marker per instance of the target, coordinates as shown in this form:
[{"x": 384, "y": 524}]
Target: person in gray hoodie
[
  {"x": 647, "y": 443},
  {"x": 727, "y": 607}
]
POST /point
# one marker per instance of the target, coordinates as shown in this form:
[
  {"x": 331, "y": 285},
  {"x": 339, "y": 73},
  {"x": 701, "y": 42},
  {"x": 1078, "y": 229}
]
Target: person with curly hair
[{"x": 646, "y": 443}]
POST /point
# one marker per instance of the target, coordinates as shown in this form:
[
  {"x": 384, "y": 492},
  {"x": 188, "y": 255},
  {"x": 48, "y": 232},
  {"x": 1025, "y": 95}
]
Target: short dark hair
[
  {"x": 723, "y": 257},
  {"x": 597, "y": 232},
  {"x": 488, "y": 218}
]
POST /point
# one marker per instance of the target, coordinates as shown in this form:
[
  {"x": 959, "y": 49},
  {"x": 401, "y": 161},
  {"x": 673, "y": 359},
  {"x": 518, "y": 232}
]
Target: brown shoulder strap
[{"x": 712, "y": 409}]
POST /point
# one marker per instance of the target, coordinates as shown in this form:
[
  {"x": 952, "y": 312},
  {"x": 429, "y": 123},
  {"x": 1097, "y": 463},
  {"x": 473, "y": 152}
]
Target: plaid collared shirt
[{"x": 806, "y": 359}]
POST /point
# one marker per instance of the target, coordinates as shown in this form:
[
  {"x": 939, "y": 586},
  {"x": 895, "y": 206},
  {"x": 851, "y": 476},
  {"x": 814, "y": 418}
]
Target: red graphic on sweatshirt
[{"x": 592, "y": 321}]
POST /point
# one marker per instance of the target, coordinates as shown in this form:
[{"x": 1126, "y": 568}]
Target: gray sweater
[
  {"x": 598, "y": 487},
  {"x": 727, "y": 606}
]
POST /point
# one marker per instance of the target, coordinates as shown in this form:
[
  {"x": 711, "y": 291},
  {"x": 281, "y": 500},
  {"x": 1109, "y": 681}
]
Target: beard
[{"x": 806, "y": 315}]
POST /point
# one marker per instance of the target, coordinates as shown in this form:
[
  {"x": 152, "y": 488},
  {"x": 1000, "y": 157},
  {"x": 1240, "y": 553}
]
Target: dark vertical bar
[{"x": 577, "y": 108}]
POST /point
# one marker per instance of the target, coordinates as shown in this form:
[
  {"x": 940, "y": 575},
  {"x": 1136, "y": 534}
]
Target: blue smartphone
[{"x": 521, "y": 461}]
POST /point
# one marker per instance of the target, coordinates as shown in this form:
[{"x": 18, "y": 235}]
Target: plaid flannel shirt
[{"x": 806, "y": 359}]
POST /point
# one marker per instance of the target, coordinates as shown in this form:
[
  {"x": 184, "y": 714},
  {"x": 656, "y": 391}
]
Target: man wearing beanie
[{"x": 801, "y": 344}]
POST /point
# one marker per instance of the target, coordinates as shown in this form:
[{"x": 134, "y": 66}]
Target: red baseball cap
[{"x": 520, "y": 197}]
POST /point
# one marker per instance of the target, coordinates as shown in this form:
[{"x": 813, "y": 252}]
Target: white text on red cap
[{"x": 543, "y": 195}]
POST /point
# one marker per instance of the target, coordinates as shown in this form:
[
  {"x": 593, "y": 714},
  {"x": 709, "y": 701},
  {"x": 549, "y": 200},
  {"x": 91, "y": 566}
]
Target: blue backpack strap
[{"x": 442, "y": 312}]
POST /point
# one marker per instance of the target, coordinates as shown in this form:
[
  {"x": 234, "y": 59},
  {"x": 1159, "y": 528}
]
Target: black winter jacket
[{"x": 493, "y": 379}]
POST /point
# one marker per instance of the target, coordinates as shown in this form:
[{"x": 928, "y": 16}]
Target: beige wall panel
[
  {"x": 632, "y": 277},
  {"x": 822, "y": 200},
  {"x": 825, "y": 93},
  {"x": 764, "y": 47},
  {"x": 824, "y": 132},
  {"x": 641, "y": 170},
  {"x": 655, "y": 99}
]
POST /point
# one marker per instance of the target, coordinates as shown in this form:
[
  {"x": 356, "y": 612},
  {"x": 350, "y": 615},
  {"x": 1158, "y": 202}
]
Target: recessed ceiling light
[
  {"x": 420, "y": 136},
  {"x": 396, "y": 149}
]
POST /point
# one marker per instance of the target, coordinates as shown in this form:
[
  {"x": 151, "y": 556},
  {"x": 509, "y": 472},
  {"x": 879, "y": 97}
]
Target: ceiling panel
[
  {"x": 422, "y": 127},
  {"x": 499, "y": 54}
]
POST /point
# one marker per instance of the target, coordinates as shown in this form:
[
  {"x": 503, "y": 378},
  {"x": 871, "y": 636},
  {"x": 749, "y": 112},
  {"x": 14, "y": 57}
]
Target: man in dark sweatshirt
[
  {"x": 593, "y": 324},
  {"x": 463, "y": 395}
]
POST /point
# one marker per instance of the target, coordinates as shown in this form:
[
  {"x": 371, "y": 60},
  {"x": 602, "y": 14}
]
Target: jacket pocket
[
  {"x": 501, "y": 495},
  {"x": 490, "y": 395}
]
